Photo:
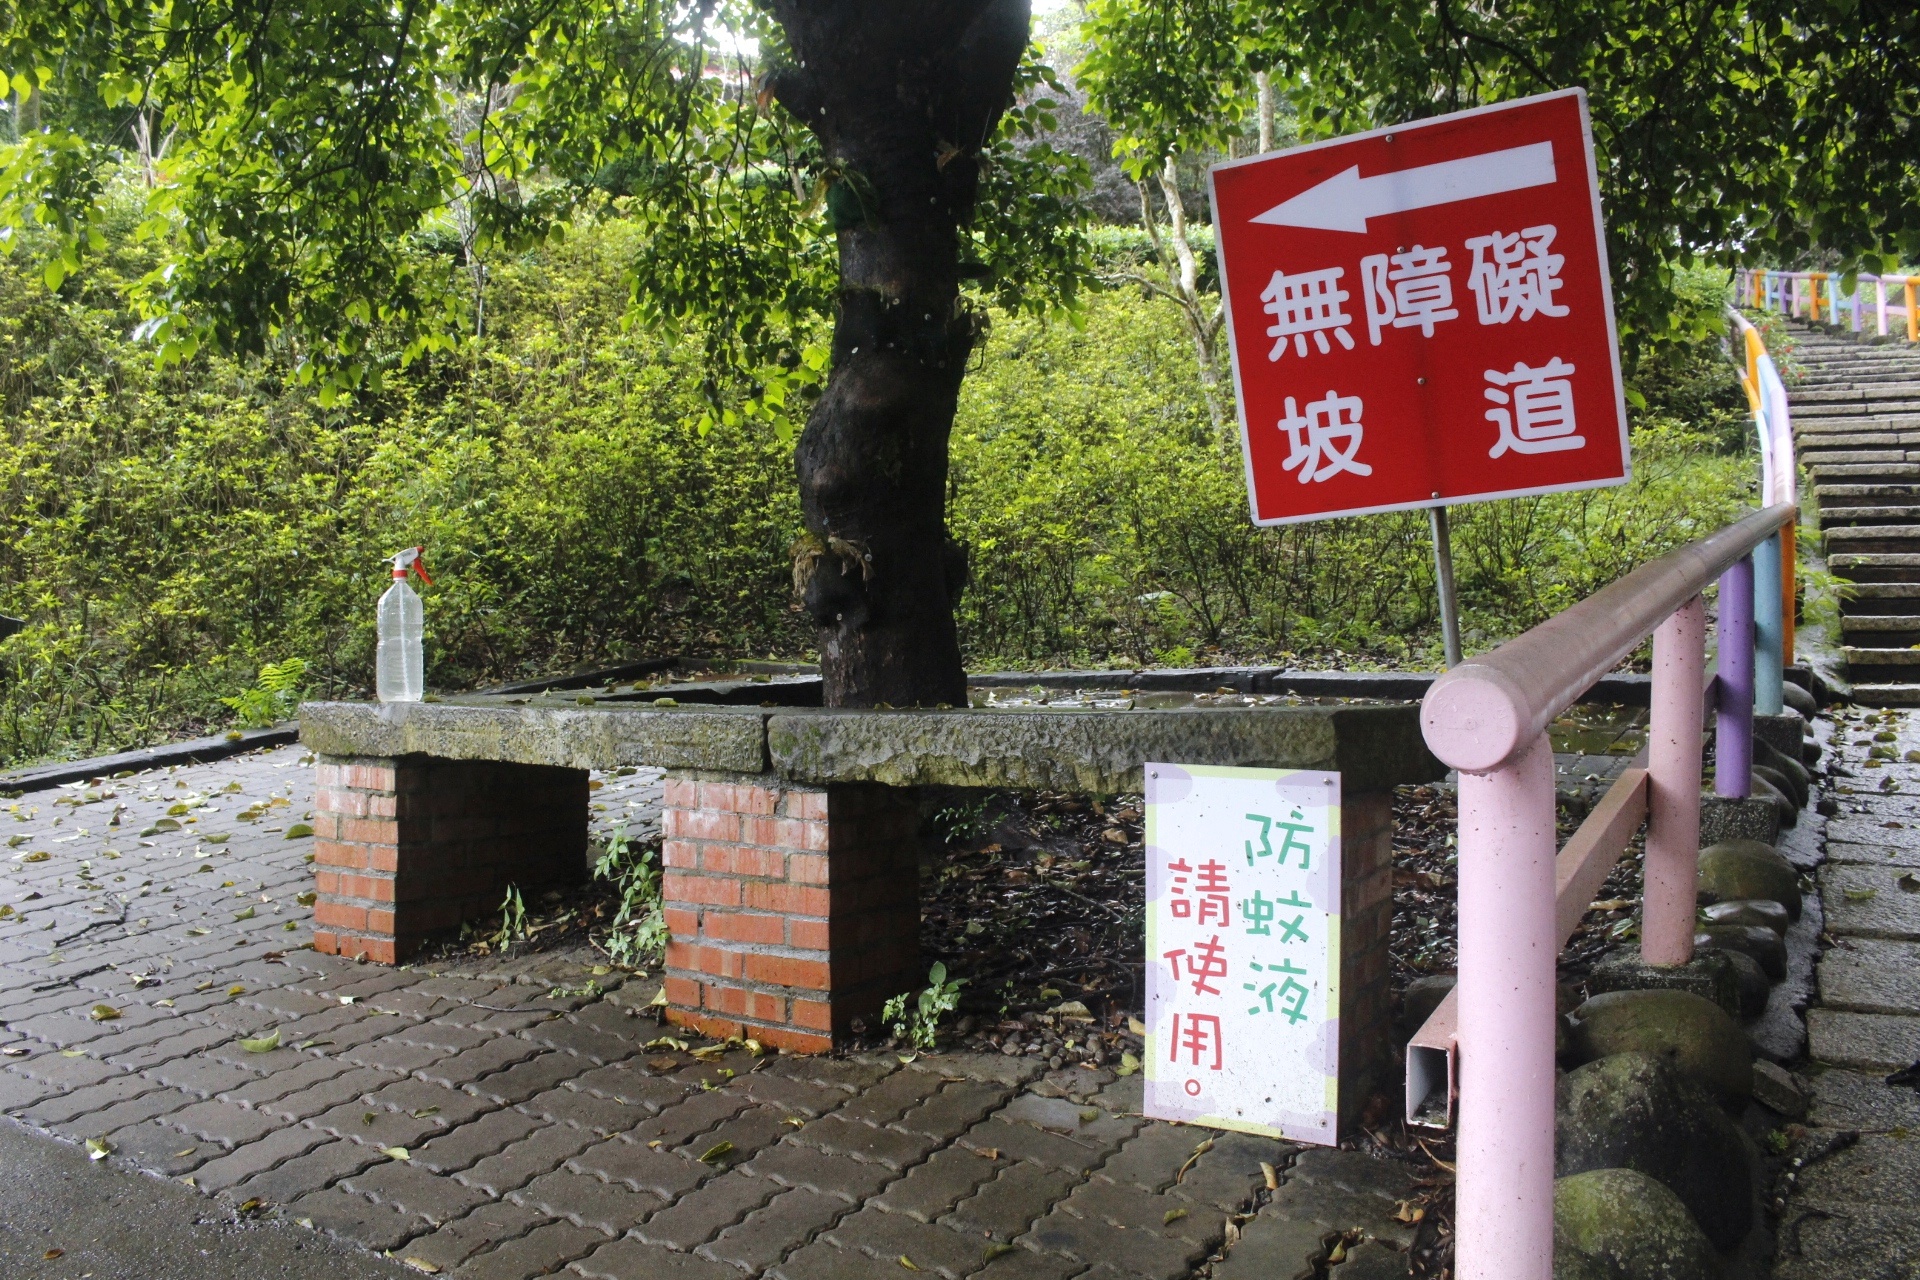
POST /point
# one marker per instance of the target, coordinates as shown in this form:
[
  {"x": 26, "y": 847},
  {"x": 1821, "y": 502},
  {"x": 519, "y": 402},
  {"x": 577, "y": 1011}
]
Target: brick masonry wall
[
  {"x": 1367, "y": 1050},
  {"x": 793, "y": 910},
  {"x": 407, "y": 848}
]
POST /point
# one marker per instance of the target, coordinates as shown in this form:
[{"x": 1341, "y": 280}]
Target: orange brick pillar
[
  {"x": 407, "y": 848},
  {"x": 793, "y": 910}
]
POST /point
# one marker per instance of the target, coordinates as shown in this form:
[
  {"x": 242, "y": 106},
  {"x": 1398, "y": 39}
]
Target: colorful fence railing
[
  {"x": 1882, "y": 305},
  {"x": 1489, "y": 1047}
]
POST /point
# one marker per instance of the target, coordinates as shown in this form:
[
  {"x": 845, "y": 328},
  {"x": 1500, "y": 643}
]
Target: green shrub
[{"x": 169, "y": 535}]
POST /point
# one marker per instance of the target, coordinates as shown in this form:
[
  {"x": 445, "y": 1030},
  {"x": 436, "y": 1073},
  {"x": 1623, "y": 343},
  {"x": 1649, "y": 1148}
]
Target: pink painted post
[
  {"x": 1508, "y": 952},
  {"x": 1673, "y": 782}
]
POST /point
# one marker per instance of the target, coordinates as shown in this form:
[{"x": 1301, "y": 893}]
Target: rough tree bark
[{"x": 902, "y": 95}]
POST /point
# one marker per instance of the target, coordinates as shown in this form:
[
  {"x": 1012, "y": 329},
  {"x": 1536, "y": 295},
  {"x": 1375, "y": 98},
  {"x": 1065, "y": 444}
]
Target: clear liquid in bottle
[{"x": 400, "y": 664}]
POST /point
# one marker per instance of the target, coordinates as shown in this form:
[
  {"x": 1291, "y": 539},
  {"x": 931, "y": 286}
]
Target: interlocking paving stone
[
  {"x": 486, "y": 1227},
  {"x": 153, "y": 1148},
  {"x": 1138, "y": 1252},
  {"x": 823, "y": 1261},
  {"x": 523, "y": 1080},
  {"x": 542, "y": 1251},
  {"x": 346, "y": 1088},
  {"x": 1130, "y": 1209},
  {"x": 1025, "y": 1264},
  {"x": 663, "y": 1173},
  {"x": 699, "y": 1215},
  {"x": 351, "y": 1217},
  {"x": 423, "y": 1101},
  {"x": 318, "y": 1168},
  {"x": 587, "y": 1111},
  {"x": 255, "y": 1158},
  {"x": 146, "y": 1107},
  {"x": 226, "y": 1123},
  {"x": 890, "y": 1099},
  {"x": 750, "y": 1131},
  {"x": 797, "y": 1166},
  {"x": 1024, "y": 1142},
  {"x": 608, "y": 1207},
  {"x": 466, "y": 1067},
  {"x": 682, "y": 1122},
  {"x": 68, "y": 1104},
  {"x": 891, "y": 1236},
  {"x": 74, "y": 1073},
  {"x": 17, "y": 1092},
  {"x": 1071, "y": 1119},
  {"x": 282, "y": 1083},
  {"x": 435, "y": 1199},
  {"x": 769, "y": 1234},
  {"x": 366, "y": 1122},
  {"x": 934, "y": 1187},
  {"x": 465, "y": 1146},
  {"x": 956, "y": 1108},
  {"x": 803, "y": 1098},
  {"x": 515, "y": 1166},
  {"x": 1013, "y": 1201},
  {"x": 625, "y": 1082},
  {"x": 632, "y": 1259}
]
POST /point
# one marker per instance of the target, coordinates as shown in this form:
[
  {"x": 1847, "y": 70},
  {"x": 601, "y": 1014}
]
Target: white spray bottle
[{"x": 400, "y": 665}]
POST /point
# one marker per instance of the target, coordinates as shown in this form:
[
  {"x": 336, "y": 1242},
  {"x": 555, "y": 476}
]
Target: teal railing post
[{"x": 1768, "y": 631}]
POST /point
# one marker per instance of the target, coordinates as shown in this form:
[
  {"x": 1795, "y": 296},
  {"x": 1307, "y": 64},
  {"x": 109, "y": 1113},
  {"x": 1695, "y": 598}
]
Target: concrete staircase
[{"x": 1856, "y": 418}]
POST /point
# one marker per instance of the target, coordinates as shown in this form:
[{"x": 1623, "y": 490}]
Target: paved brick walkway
[
  {"x": 522, "y": 1123},
  {"x": 1849, "y": 1209}
]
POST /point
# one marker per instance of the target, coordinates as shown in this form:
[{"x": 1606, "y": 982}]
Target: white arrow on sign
[{"x": 1345, "y": 201}]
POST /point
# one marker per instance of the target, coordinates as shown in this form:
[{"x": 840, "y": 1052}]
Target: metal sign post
[{"x": 1443, "y": 583}]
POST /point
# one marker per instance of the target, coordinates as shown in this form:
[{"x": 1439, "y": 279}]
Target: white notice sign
[{"x": 1243, "y": 946}]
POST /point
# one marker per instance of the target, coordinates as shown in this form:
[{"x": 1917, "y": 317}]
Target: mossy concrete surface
[{"x": 1374, "y": 747}]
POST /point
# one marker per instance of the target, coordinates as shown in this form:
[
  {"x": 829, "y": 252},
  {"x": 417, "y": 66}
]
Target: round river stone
[
  {"x": 1633, "y": 1111},
  {"x": 1758, "y": 941},
  {"x": 1736, "y": 869},
  {"x": 1779, "y": 781},
  {"x": 1799, "y": 699},
  {"x": 1632, "y": 1226},
  {"x": 1684, "y": 1030},
  {"x": 1760, "y": 911}
]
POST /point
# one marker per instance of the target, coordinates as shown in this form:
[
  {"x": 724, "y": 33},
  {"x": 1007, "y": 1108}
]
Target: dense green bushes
[{"x": 167, "y": 534}]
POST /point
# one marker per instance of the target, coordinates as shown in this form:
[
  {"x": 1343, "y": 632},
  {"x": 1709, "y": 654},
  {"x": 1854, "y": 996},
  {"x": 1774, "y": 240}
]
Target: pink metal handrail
[
  {"x": 1488, "y": 718},
  {"x": 1485, "y": 712}
]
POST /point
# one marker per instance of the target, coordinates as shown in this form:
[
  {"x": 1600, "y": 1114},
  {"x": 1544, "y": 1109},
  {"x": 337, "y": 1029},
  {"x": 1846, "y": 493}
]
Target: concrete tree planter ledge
[{"x": 790, "y": 852}]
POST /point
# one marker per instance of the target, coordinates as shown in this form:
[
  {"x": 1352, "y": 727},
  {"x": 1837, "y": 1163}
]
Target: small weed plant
[
  {"x": 639, "y": 927},
  {"x": 918, "y": 1022},
  {"x": 275, "y": 695},
  {"x": 513, "y": 919}
]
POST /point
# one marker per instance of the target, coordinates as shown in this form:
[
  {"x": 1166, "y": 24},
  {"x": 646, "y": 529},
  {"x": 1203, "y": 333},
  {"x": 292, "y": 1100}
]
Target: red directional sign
[{"x": 1421, "y": 315}]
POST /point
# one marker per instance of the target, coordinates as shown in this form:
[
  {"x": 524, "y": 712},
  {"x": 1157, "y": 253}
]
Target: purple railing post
[
  {"x": 1508, "y": 957},
  {"x": 1733, "y": 723},
  {"x": 1673, "y": 785}
]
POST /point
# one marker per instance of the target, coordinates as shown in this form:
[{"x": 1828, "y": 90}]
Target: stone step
[
  {"x": 1841, "y": 517},
  {"x": 1883, "y": 633},
  {"x": 1864, "y": 495},
  {"x": 1852, "y": 410},
  {"x": 1876, "y": 567},
  {"x": 1894, "y": 538},
  {"x": 1892, "y": 438},
  {"x": 1854, "y": 394},
  {"x": 1826, "y": 456},
  {"x": 1866, "y": 598},
  {"x": 1872, "y": 426},
  {"x": 1891, "y": 694},
  {"x": 1882, "y": 666},
  {"x": 1866, "y": 471}
]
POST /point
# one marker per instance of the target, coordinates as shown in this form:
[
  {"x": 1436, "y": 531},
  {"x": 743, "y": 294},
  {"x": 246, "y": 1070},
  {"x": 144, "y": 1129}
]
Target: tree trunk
[{"x": 902, "y": 95}]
